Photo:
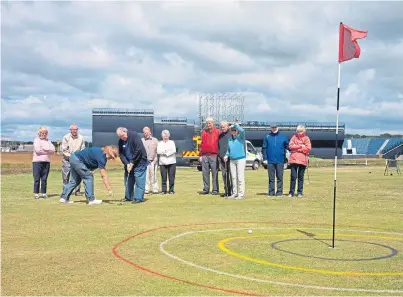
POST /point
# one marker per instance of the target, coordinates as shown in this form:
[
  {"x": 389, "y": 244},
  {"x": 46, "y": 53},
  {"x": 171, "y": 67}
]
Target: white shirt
[
  {"x": 166, "y": 152},
  {"x": 71, "y": 144}
]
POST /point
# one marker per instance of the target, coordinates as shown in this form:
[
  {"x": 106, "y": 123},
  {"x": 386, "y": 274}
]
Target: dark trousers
[
  {"x": 226, "y": 175},
  {"x": 210, "y": 163},
  {"x": 297, "y": 171},
  {"x": 168, "y": 171},
  {"x": 40, "y": 172},
  {"x": 275, "y": 170},
  {"x": 125, "y": 178}
]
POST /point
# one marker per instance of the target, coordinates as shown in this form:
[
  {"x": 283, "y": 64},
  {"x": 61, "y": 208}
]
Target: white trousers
[
  {"x": 237, "y": 168},
  {"x": 151, "y": 177}
]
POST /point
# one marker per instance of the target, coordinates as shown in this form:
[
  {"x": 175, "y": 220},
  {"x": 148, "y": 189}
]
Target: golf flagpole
[
  {"x": 348, "y": 49},
  {"x": 335, "y": 156}
]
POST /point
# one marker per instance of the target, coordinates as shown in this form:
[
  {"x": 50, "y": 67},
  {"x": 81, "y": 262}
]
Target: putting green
[{"x": 316, "y": 249}]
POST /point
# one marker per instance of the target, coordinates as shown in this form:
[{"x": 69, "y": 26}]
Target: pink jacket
[
  {"x": 43, "y": 149},
  {"x": 300, "y": 146}
]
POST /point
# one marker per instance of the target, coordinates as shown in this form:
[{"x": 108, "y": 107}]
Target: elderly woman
[
  {"x": 43, "y": 149},
  {"x": 300, "y": 146},
  {"x": 83, "y": 164},
  {"x": 237, "y": 155},
  {"x": 166, "y": 151}
]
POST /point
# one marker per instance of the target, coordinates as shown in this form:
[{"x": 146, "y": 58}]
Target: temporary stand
[{"x": 392, "y": 164}]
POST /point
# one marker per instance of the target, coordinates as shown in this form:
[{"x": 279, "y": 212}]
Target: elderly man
[
  {"x": 72, "y": 142},
  {"x": 208, "y": 156},
  {"x": 224, "y": 166},
  {"x": 274, "y": 146},
  {"x": 150, "y": 144},
  {"x": 134, "y": 158}
]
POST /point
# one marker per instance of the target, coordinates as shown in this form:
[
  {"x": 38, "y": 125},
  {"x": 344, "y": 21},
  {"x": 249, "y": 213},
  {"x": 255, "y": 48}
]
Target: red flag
[{"x": 348, "y": 45}]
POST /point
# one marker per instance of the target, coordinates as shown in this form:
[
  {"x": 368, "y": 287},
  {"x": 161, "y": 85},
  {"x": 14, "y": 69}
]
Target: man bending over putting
[
  {"x": 134, "y": 158},
  {"x": 83, "y": 164}
]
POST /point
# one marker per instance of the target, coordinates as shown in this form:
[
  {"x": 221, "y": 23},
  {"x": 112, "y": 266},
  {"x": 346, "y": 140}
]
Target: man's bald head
[{"x": 146, "y": 132}]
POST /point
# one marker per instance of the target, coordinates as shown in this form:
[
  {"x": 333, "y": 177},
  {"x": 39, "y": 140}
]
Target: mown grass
[{"x": 53, "y": 249}]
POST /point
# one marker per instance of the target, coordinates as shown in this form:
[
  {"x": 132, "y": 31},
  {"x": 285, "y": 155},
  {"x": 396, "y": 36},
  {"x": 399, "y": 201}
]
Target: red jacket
[
  {"x": 300, "y": 146},
  {"x": 209, "y": 142}
]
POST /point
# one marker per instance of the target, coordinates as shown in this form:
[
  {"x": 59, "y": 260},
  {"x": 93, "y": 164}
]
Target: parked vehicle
[
  {"x": 286, "y": 164},
  {"x": 254, "y": 158}
]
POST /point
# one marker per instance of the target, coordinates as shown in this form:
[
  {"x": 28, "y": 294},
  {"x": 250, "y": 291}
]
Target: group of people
[
  {"x": 141, "y": 155},
  {"x": 218, "y": 148}
]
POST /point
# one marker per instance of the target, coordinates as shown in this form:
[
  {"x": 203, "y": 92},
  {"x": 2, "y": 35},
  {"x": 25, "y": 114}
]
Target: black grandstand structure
[{"x": 105, "y": 121}]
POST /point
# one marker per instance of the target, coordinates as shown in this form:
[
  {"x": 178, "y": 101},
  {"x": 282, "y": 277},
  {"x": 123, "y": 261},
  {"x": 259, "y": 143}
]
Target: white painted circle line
[{"x": 264, "y": 280}]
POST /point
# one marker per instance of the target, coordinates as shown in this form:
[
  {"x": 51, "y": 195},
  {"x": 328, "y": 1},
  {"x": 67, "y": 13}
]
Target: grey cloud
[{"x": 161, "y": 55}]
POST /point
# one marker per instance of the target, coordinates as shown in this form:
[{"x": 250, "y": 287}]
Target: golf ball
[{"x": 250, "y": 231}]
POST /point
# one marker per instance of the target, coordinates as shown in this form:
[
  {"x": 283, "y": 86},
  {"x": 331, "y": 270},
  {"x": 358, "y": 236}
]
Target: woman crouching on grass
[
  {"x": 300, "y": 146},
  {"x": 83, "y": 164},
  {"x": 43, "y": 149}
]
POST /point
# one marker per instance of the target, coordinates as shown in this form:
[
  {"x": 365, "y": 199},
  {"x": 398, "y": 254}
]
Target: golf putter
[{"x": 226, "y": 179}]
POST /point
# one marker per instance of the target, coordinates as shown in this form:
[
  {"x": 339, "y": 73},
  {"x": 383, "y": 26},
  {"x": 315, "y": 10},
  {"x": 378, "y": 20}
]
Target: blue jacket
[
  {"x": 236, "y": 146},
  {"x": 274, "y": 146}
]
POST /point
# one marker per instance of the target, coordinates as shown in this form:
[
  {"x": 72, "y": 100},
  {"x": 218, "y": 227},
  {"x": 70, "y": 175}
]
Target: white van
[
  {"x": 286, "y": 164},
  {"x": 254, "y": 158}
]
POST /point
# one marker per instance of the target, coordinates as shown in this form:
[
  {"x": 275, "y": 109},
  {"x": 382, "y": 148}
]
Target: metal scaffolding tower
[{"x": 221, "y": 106}]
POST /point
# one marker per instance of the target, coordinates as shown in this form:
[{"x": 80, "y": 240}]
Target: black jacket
[
  {"x": 223, "y": 143},
  {"x": 136, "y": 147}
]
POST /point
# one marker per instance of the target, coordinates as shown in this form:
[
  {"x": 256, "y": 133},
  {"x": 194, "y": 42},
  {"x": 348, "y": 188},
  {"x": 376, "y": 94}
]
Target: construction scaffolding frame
[{"x": 221, "y": 106}]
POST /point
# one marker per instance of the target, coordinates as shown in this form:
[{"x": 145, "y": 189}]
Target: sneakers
[
  {"x": 292, "y": 195},
  {"x": 239, "y": 198},
  {"x": 94, "y": 202},
  {"x": 137, "y": 201},
  {"x": 62, "y": 200},
  {"x": 233, "y": 196},
  {"x": 37, "y": 196}
]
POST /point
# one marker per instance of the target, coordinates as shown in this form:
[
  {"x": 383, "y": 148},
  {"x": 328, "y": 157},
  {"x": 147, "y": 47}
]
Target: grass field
[{"x": 194, "y": 245}]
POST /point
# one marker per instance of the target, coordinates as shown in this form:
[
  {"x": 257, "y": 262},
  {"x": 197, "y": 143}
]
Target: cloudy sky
[{"x": 61, "y": 59}]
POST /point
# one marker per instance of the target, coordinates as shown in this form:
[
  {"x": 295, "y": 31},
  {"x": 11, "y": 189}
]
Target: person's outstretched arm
[{"x": 105, "y": 180}]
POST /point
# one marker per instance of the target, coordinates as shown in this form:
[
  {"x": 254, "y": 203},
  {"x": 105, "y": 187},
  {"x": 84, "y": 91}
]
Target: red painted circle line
[{"x": 118, "y": 256}]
